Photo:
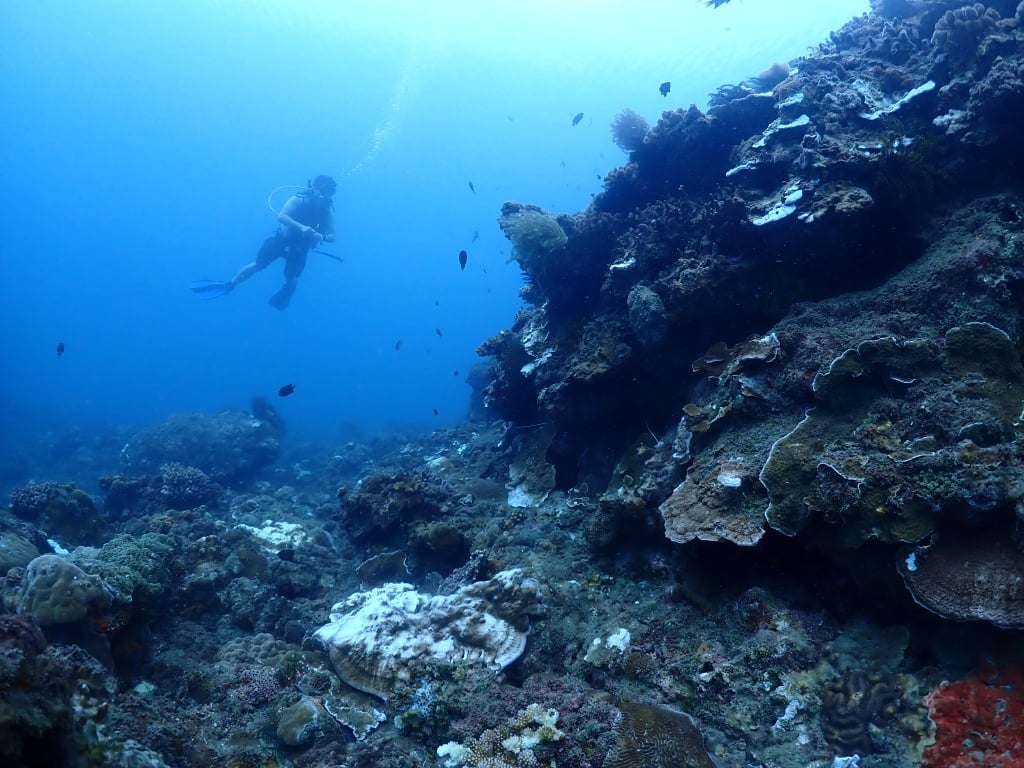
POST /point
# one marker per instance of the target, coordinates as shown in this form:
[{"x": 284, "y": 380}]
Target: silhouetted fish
[
  {"x": 472, "y": 188},
  {"x": 455, "y": 373},
  {"x": 715, "y": 3},
  {"x": 438, "y": 332},
  {"x": 435, "y": 411},
  {"x": 286, "y": 390},
  {"x": 398, "y": 345},
  {"x": 60, "y": 349},
  {"x": 664, "y": 88},
  {"x": 463, "y": 258},
  {"x": 476, "y": 235},
  {"x": 576, "y": 120}
]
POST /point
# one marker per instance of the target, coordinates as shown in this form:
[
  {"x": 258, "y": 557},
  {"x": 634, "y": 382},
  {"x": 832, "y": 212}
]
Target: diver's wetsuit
[
  {"x": 313, "y": 211},
  {"x": 291, "y": 245}
]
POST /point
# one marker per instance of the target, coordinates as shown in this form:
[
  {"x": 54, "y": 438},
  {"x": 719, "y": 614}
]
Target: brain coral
[
  {"x": 652, "y": 736},
  {"x": 56, "y": 591}
]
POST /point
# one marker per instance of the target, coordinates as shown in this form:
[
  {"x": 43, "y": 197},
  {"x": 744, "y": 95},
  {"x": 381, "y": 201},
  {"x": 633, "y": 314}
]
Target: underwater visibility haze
[
  {"x": 654, "y": 397},
  {"x": 145, "y": 140}
]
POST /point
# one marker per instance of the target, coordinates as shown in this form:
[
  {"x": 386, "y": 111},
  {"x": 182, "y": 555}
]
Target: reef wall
[{"x": 799, "y": 312}]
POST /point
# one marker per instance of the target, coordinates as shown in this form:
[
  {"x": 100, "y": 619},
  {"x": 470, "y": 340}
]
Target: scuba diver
[{"x": 305, "y": 221}]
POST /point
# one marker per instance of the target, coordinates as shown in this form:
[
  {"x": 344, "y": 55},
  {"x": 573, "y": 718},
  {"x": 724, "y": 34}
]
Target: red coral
[{"x": 979, "y": 721}]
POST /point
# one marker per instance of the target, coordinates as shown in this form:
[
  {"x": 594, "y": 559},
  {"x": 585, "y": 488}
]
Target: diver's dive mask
[{"x": 323, "y": 187}]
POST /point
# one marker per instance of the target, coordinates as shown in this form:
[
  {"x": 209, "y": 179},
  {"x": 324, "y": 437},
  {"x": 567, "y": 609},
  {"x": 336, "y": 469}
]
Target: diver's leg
[
  {"x": 294, "y": 264},
  {"x": 270, "y": 250},
  {"x": 280, "y": 299}
]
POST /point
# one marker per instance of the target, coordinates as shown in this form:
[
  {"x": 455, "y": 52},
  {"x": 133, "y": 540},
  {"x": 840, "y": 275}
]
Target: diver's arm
[
  {"x": 329, "y": 227},
  {"x": 285, "y": 216}
]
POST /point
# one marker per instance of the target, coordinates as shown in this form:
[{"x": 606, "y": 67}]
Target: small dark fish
[
  {"x": 472, "y": 188},
  {"x": 438, "y": 332},
  {"x": 715, "y": 3},
  {"x": 577, "y": 118},
  {"x": 463, "y": 258},
  {"x": 287, "y": 554},
  {"x": 664, "y": 88},
  {"x": 286, "y": 390},
  {"x": 435, "y": 412},
  {"x": 398, "y": 345},
  {"x": 60, "y": 349},
  {"x": 476, "y": 235},
  {"x": 437, "y": 303},
  {"x": 456, "y": 373}
]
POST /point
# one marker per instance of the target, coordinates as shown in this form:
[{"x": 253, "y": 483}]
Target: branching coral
[{"x": 510, "y": 745}]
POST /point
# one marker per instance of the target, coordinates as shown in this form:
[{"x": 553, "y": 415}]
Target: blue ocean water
[{"x": 143, "y": 144}]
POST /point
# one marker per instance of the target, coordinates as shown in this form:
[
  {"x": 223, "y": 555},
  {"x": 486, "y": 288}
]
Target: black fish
[
  {"x": 664, "y": 88},
  {"x": 472, "y": 188},
  {"x": 576, "y": 120},
  {"x": 286, "y": 390},
  {"x": 398, "y": 345},
  {"x": 60, "y": 349},
  {"x": 456, "y": 373},
  {"x": 438, "y": 332},
  {"x": 463, "y": 258},
  {"x": 476, "y": 235},
  {"x": 435, "y": 411}
]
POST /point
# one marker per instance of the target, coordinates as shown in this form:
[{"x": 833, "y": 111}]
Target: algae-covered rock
[{"x": 902, "y": 428}]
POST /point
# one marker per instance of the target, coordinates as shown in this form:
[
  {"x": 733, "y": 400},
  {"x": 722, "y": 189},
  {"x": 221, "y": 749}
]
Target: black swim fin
[{"x": 211, "y": 289}]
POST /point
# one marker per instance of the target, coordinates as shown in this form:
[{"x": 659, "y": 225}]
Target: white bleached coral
[
  {"x": 383, "y": 637},
  {"x": 510, "y": 745}
]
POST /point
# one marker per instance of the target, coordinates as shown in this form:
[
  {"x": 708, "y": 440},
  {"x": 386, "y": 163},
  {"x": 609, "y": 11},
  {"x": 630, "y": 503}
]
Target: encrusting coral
[{"x": 979, "y": 720}]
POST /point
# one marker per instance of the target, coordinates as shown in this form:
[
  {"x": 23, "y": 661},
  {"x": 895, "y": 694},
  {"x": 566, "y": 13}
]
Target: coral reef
[
  {"x": 757, "y": 431},
  {"x": 63, "y": 511},
  {"x": 227, "y": 447},
  {"x": 184, "y": 487}
]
